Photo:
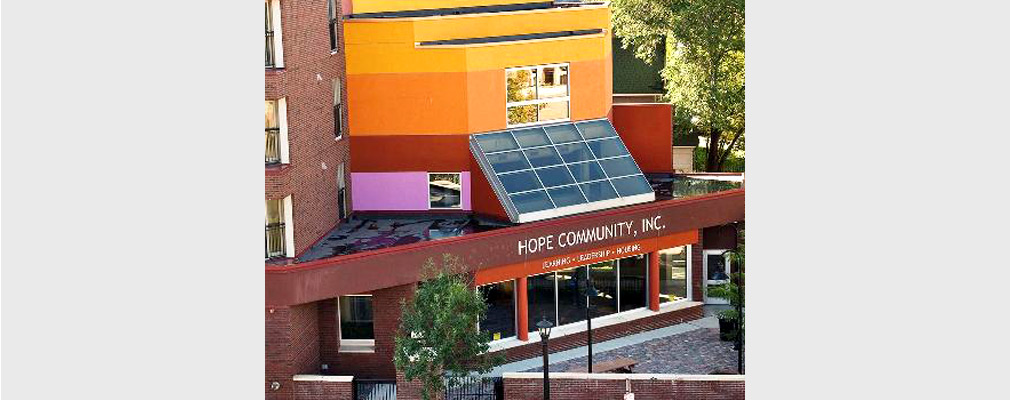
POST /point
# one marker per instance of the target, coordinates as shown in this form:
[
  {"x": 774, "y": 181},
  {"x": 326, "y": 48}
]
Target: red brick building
[
  {"x": 483, "y": 129},
  {"x": 307, "y": 150}
]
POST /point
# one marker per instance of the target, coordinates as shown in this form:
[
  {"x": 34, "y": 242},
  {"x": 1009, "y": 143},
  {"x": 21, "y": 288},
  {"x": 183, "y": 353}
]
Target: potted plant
[
  {"x": 727, "y": 324},
  {"x": 730, "y": 319}
]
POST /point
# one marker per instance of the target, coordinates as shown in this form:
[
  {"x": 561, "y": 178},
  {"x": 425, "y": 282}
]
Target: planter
[{"x": 727, "y": 329}]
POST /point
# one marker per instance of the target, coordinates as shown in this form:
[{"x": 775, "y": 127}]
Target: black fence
[
  {"x": 365, "y": 389},
  {"x": 475, "y": 388}
]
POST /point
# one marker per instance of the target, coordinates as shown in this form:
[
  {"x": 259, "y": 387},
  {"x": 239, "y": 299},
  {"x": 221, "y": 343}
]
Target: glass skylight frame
[{"x": 515, "y": 212}]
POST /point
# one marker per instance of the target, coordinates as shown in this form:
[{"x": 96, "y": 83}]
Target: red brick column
[
  {"x": 523, "y": 311},
  {"x": 654, "y": 281}
]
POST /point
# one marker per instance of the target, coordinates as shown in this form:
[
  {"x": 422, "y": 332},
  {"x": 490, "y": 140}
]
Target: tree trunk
[{"x": 712, "y": 159}]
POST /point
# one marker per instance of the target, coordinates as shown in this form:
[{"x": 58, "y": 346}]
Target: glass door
[{"x": 717, "y": 270}]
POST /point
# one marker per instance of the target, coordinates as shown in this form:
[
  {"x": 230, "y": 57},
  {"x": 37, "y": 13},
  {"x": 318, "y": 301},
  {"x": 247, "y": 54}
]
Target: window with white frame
[
  {"x": 444, "y": 190},
  {"x": 338, "y": 109},
  {"x": 275, "y": 232},
  {"x": 274, "y": 46},
  {"x": 276, "y": 132},
  {"x": 357, "y": 330},
  {"x": 536, "y": 94}
]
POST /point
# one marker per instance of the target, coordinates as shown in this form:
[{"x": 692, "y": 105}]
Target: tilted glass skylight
[{"x": 551, "y": 171}]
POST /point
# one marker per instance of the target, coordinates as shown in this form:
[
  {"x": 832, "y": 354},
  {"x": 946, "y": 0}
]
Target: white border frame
[
  {"x": 428, "y": 191},
  {"x": 289, "y": 227},
  {"x": 282, "y": 125},
  {"x": 355, "y": 345},
  {"x": 567, "y": 98}
]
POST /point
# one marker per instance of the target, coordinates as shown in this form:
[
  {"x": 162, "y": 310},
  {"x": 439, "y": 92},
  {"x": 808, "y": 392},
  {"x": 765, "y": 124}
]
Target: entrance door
[{"x": 717, "y": 272}]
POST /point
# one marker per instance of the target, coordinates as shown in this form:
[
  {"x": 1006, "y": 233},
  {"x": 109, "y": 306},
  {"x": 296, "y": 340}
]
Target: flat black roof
[{"x": 364, "y": 232}]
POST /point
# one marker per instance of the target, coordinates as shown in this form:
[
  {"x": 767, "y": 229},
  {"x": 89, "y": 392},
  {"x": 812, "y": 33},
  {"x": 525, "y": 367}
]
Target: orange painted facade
[{"x": 398, "y": 86}]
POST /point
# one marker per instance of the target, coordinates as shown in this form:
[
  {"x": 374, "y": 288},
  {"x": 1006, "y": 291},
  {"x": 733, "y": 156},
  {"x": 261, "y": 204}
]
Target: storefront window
[
  {"x": 673, "y": 274},
  {"x": 500, "y": 319},
  {"x": 572, "y": 295},
  {"x": 540, "y": 294},
  {"x": 604, "y": 276},
  {"x": 634, "y": 287},
  {"x": 356, "y": 317}
]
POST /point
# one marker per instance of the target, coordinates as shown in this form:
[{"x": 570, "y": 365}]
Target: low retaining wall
[
  {"x": 322, "y": 387},
  {"x": 660, "y": 319},
  {"x": 568, "y": 385}
]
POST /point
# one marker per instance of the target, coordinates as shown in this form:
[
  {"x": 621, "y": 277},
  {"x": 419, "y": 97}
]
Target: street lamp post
[
  {"x": 544, "y": 328},
  {"x": 590, "y": 293}
]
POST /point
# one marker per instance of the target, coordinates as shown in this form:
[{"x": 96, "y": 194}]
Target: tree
[
  {"x": 438, "y": 335},
  {"x": 704, "y": 70}
]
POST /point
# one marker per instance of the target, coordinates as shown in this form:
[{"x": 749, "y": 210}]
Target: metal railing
[
  {"x": 270, "y": 50},
  {"x": 366, "y": 389},
  {"x": 275, "y": 240},
  {"x": 475, "y": 388},
  {"x": 273, "y": 153}
]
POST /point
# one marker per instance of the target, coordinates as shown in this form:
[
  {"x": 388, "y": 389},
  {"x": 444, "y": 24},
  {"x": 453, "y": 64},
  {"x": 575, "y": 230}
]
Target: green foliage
[
  {"x": 704, "y": 70},
  {"x": 733, "y": 163},
  {"x": 515, "y": 84},
  {"x": 438, "y": 335}
]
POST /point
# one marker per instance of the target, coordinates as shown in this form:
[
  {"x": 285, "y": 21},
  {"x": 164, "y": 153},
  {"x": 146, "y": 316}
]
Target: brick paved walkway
[{"x": 694, "y": 352}]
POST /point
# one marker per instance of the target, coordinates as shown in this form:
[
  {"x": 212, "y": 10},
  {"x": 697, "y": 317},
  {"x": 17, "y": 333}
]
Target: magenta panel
[{"x": 398, "y": 191}]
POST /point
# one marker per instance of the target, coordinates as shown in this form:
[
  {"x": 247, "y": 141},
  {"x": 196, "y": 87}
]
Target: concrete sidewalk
[{"x": 708, "y": 322}]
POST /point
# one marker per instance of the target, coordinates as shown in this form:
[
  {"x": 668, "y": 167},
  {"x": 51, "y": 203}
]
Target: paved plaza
[{"x": 688, "y": 348}]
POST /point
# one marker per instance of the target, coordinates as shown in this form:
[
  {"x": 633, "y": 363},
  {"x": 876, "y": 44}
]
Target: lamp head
[{"x": 544, "y": 328}]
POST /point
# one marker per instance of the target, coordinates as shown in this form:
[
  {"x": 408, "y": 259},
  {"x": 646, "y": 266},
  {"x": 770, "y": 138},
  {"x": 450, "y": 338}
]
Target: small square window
[{"x": 444, "y": 190}]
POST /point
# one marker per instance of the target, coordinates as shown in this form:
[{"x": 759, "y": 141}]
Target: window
[
  {"x": 560, "y": 296},
  {"x": 338, "y": 130},
  {"x": 274, "y": 48},
  {"x": 571, "y": 295},
  {"x": 356, "y": 327},
  {"x": 540, "y": 294},
  {"x": 604, "y": 278},
  {"x": 275, "y": 235},
  {"x": 444, "y": 190},
  {"x": 341, "y": 192},
  {"x": 500, "y": 320},
  {"x": 717, "y": 270},
  {"x": 634, "y": 286},
  {"x": 536, "y": 94},
  {"x": 273, "y": 131},
  {"x": 331, "y": 12},
  {"x": 673, "y": 273},
  {"x": 276, "y": 132}
]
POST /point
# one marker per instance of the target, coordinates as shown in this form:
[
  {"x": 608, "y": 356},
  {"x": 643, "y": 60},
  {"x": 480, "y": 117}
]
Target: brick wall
[
  {"x": 386, "y": 314},
  {"x": 656, "y": 321},
  {"x": 305, "y": 81},
  {"x": 386, "y": 317},
  {"x": 292, "y": 346},
  {"x": 564, "y": 386},
  {"x": 316, "y": 387},
  {"x": 697, "y": 269}
]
